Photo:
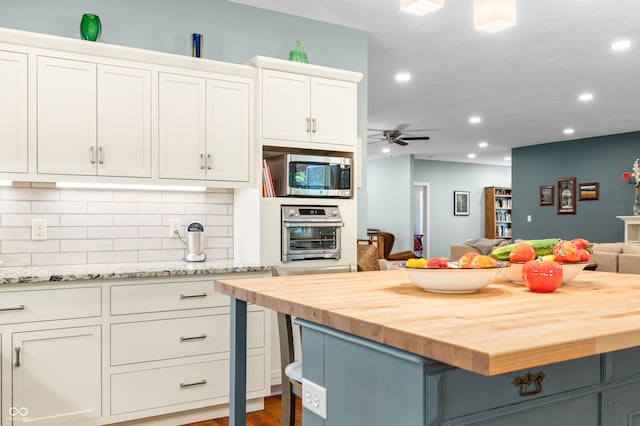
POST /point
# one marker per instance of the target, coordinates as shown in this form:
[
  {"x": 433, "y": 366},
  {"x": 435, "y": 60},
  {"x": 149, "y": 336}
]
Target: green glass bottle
[{"x": 90, "y": 27}]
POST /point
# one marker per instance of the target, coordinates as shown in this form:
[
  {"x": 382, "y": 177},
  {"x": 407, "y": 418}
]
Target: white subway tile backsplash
[
  {"x": 112, "y": 257},
  {"x": 41, "y": 259},
  {"x": 112, "y": 232},
  {"x": 112, "y": 207},
  {"x": 79, "y": 207},
  {"x": 109, "y": 226}
]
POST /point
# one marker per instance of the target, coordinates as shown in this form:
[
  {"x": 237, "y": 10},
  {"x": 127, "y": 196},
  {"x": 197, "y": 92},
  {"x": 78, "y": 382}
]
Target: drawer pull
[
  {"x": 17, "y": 364},
  {"x": 527, "y": 380},
  {"x": 16, "y": 308},
  {"x": 186, "y": 385},
  {"x": 186, "y": 339},
  {"x": 192, "y": 296}
]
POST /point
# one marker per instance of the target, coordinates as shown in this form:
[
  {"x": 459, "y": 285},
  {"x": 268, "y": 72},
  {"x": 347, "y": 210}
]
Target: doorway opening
[{"x": 421, "y": 234}]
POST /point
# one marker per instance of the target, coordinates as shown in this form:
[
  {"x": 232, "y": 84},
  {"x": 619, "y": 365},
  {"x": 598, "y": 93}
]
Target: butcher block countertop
[{"x": 502, "y": 328}]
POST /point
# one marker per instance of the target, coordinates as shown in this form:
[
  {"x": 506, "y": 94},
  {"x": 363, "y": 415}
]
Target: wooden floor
[{"x": 270, "y": 416}]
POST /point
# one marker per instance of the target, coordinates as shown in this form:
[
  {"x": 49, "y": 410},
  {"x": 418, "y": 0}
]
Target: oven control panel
[{"x": 311, "y": 214}]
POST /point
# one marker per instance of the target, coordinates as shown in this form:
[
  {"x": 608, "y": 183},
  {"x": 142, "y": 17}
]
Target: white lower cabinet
[
  {"x": 145, "y": 351},
  {"x": 56, "y": 376}
]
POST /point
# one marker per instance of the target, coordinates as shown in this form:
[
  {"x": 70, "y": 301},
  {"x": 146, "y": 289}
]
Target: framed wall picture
[
  {"x": 547, "y": 195},
  {"x": 461, "y": 203},
  {"x": 589, "y": 191},
  {"x": 567, "y": 196}
]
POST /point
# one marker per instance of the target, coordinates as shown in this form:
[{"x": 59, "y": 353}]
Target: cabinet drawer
[
  {"x": 143, "y": 390},
  {"x": 170, "y": 296},
  {"x": 53, "y": 304},
  {"x": 625, "y": 362},
  {"x": 463, "y": 392},
  {"x": 165, "y": 339}
]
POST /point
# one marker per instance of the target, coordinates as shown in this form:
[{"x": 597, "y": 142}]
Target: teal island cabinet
[{"x": 389, "y": 353}]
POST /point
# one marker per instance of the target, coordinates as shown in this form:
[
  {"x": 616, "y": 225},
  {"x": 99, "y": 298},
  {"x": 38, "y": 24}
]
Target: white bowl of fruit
[{"x": 439, "y": 275}]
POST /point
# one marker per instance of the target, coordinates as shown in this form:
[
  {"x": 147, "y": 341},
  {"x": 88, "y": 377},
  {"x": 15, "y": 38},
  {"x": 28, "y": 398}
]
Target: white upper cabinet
[
  {"x": 124, "y": 121},
  {"x": 205, "y": 128},
  {"x": 93, "y": 119},
  {"x": 13, "y": 112},
  {"x": 307, "y": 109}
]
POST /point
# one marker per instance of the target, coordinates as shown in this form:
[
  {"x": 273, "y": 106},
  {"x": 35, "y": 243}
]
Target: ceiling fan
[{"x": 397, "y": 136}]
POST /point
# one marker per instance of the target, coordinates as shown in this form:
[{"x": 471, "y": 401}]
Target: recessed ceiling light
[
  {"x": 471, "y": 155},
  {"x": 585, "y": 97},
  {"x": 621, "y": 45},
  {"x": 507, "y": 158},
  {"x": 403, "y": 76},
  {"x": 475, "y": 119},
  {"x": 569, "y": 131},
  {"x": 386, "y": 150},
  {"x": 483, "y": 144},
  {"x": 421, "y": 7}
]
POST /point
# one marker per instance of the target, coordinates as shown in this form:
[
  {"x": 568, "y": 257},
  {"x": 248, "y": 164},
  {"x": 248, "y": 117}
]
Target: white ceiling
[{"x": 524, "y": 81}]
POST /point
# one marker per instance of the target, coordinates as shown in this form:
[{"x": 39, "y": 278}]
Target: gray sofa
[{"x": 617, "y": 257}]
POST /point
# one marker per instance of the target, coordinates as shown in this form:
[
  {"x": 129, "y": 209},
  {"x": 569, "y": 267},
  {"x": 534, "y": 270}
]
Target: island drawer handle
[
  {"x": 15, "y": 308},
  {"x": 527, "y": 380},
  {"x": 186, "y": 385},
  {"x": 192, "y": 296},
  {"x": 186, "y": 339}
]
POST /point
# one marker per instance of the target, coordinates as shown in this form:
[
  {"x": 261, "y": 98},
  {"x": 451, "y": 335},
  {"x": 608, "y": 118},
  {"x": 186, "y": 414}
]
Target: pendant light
[
  {"x": 494, "y": 15},
  {"x": 421, "y": 7}
]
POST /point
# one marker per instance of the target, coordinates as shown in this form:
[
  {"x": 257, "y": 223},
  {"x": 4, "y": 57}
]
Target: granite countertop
[{"x": 41, "y": 274}]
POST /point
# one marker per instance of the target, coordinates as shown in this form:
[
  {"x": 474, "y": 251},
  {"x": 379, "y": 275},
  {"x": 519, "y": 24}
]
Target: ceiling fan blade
[
  {"x": 415, "y": 138},
  {"x": 400, "y": 142}
]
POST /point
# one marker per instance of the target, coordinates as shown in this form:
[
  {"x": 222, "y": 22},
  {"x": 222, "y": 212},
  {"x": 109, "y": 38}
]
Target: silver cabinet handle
[
  {"x": 202, "y": 161},
  {"x": 186, "y": 339},
  {"x": 17, "y": 349},
  {"x": 92, "y": 155},
  {"x": 209, "y": 162},
  {"x": 308, "y": 124},
  {"x": 186, "y": 385},
  {"x": 192, "y": 296},
  {"x": 100, "y": 155},
  {"x": 314, "y": 128},
  {"x": 15, "y": 308}
]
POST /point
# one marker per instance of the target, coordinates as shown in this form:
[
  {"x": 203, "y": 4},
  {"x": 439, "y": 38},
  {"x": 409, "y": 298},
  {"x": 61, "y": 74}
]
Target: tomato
[
  {"x": 542, "y": 276},
  {"x": 522, "y": 252},
  {"x": 483, "y": 261},
  {"x": 584, "y": 254},
  {"x": 566, "y": 251},
  {"x": 437, "y": 262},
  {"x": 465, "y": 260},
  {"x": 581, "y": 243}
]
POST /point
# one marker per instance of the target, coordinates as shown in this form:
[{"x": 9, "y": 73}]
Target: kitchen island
[{"x": 388, "y": 352}]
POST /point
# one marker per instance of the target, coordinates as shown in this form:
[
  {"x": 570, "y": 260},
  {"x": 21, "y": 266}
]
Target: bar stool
[{"x": 291, "y": 370}]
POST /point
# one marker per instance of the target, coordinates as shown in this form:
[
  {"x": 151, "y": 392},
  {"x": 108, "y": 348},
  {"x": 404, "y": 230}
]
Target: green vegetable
[{"x": 541, "y": 247}]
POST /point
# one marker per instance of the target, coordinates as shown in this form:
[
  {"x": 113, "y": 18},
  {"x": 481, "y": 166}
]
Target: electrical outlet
[
  {"x": 174, "y": 226},
  {"x": 314, "y": 398},
  {"x": 39, "y": 229}
]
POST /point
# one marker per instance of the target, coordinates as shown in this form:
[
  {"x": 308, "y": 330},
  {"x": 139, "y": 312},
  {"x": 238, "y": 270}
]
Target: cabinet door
[
  {"x": 66, "y": 116},
  {"x": 13, "y": 112},
  {"x": 124, "y": 121},
  {"x": 57, "y": 374},
  {"x": 182, "y": 126},
  {"x": 286, "y": 107},
  {"x": 228, "y": 131},
  {"x": 333, "y": 111}
]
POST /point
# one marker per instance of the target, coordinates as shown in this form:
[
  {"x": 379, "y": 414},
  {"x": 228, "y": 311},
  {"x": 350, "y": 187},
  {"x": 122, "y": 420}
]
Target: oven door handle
[{"x": 313, "y": 224}]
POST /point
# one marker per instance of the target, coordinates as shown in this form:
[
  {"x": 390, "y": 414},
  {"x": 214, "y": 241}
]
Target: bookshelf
[{"x": 497, "y": 208}]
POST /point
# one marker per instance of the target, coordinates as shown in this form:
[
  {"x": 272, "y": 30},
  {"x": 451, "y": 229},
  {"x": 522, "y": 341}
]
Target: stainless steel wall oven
[{"x": 310, "y": 232}]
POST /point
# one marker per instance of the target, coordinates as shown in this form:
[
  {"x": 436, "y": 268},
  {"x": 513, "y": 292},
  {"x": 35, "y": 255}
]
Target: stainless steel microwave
[{"x": 311, "y": 176}]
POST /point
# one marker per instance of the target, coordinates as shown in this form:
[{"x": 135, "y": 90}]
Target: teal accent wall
[
  {"x": 390, "y": 193},
  {"x": 600, "y": 159},
  {"x": 232, "y": 33}
]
